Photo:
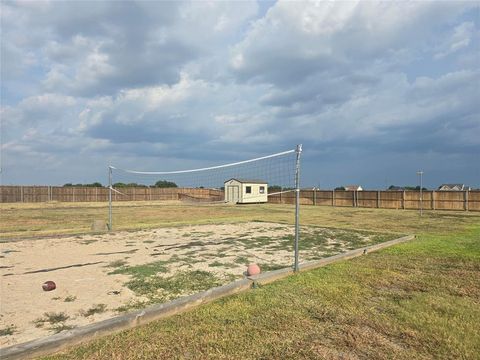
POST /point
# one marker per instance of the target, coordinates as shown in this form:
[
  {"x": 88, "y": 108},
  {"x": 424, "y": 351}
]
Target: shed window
[
  {"x": 248, "y": 189},
  {"x": 262, "y": 190}
]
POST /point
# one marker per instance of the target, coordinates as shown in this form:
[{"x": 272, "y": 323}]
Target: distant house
[
  {"x": 244, "y": 191},
  {"x": 353, "y": 188},
  {"x": 453, "y": 187}
]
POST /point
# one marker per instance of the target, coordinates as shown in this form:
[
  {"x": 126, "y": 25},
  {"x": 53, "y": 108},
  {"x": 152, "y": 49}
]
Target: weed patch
[
  {"x": 55, "y": 320},
  {"x": 116, "y": 264},
  {"x": 96, "y": 309},
  {"x": 264, "y": 267},
  {"x": 9, "y": 330},
  {"x": 221, "y": 264},
  {"x": 242, "y": 260},
  {"x": 144, "y": 270},
  {"x": 159, "y": 289},
  {"x": 61, "y": 327}
]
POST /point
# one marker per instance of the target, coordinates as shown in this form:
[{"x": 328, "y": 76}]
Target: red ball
[
  {"x": 49, "y": 286},
  {"x": 253, "y": 269}
]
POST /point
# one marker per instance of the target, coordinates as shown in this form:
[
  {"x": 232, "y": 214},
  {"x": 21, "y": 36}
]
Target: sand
[{"x": 79, "y": 265}]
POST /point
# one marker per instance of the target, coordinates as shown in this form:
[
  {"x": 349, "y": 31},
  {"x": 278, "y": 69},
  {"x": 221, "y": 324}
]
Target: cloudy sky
[{"x": 374, "y": 90}]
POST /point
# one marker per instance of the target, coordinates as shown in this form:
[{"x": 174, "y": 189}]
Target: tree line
[{"x": 158, "y": 184}]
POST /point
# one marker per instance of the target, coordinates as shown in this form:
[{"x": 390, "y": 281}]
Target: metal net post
[
  {"x": 110, "y": 198},
  {"x": 297, "y": 204}
]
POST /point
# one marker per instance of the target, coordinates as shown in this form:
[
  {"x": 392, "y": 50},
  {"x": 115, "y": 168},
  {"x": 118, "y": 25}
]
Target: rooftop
[{"x": 250, "y": 181}]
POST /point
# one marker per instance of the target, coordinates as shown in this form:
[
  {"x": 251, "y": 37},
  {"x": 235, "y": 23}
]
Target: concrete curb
[
  {"x": 353, "y": 253},
  {"x": 57, "y": 342}
]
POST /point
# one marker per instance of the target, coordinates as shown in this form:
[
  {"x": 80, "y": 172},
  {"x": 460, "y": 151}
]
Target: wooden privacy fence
[
  {"x": 28, "y": 194},
  {"x": 432, "y": 200}
]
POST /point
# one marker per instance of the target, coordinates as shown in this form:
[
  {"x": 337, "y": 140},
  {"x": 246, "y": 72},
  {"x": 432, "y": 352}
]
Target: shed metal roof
[{"x": 247, "y": 181}]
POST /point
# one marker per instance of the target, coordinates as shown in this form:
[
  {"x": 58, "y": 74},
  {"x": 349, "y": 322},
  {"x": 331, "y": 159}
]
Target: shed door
[{"x": 233, "y": 193}]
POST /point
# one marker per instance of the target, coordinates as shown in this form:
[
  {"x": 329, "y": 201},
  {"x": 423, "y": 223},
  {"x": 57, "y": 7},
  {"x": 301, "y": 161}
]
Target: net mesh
[
  {"x": 225, "y": 244},
  {"x": 207, "y": 184}
]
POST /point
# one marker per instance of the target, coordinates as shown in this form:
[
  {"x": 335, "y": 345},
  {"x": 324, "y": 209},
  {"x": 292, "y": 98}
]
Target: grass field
[
  {"x": 417, "y": 300},
  {"x": 133, "y": 269},
  {"x": 47, "y": 219}
]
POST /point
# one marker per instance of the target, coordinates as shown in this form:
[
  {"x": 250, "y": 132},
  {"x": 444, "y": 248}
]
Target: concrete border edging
[
  {"x": 353, "y": 253},
  {"x": 57, "y": 342}
]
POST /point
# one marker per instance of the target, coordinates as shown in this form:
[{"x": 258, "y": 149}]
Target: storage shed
[{"x": 243, "y": 191}]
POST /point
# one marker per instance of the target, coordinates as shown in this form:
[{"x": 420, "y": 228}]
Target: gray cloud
[
  {"x": 187, "y": 84},
  {"x": 102, "y": 47},
  {"x": 293, "y": 42}
]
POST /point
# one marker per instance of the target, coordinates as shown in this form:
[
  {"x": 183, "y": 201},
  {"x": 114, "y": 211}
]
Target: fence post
[
  {"x": 314, "y": 196},
  {"x": 353, "y": 198},
  {"x": 466, "y": 200},
  {"x": 433, "y": 199},
  {"x": 73, "y": 194},
  {"x": 378, "y": 199},
  {"x": 21, "y": 194},
  {"x": 403, "y": 199},
  {"x": 333, "y": 197}
]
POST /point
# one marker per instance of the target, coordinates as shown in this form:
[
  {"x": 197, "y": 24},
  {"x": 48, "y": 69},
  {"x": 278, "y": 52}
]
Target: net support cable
[{"x": 202, "y": 169}]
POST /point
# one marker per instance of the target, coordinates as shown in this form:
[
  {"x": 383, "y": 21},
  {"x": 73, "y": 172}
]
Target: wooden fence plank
[{"x": 432, "y": 200}]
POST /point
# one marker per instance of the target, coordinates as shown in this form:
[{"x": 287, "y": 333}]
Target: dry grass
[{"x": 46, "y": 219}]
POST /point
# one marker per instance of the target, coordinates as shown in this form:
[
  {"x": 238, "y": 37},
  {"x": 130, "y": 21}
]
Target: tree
[
  {"x": 340, "y": 188},
  {"x": 95, "y": 184},
  {"x": 415, "y": 188},
  {"x": 136, "y": 185},
  {"x": 165, "y": 184}
]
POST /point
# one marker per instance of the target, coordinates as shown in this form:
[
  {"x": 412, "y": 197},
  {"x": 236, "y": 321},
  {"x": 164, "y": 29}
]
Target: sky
[{"x": 375, "y": 91}]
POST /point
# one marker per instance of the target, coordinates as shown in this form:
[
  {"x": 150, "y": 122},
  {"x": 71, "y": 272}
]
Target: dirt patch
[{"x": 98, "y": 276}]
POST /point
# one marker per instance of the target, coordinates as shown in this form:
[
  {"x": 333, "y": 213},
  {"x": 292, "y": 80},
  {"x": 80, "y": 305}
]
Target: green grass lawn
[{"x": 417, "y": 300}]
